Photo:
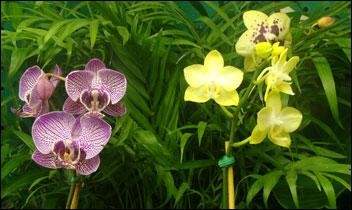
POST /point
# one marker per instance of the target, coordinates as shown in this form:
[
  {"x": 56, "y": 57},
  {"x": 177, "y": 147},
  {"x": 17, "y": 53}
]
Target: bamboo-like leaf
[
  {"x": 269, "y": 181},
  {"x": 327, "y": 79},
  {"x": 183, "y": 142},
  {"x": 201, "y": 128},
  {"x": 254, "y": 189},
  {"x": 328, "y": 189},
  {"x": 291, "y": 178},
  {"x": 93, "y": 32}
]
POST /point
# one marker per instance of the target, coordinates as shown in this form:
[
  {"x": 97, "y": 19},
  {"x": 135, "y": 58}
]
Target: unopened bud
[{"x": 325, "y": 21}]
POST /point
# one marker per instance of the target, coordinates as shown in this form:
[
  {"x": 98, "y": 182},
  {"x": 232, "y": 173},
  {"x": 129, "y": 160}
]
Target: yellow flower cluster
[{"x": 266, "y": 38}]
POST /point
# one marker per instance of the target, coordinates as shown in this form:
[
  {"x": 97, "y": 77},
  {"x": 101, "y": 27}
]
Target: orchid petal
[
  {"x": 279, "y": 136},
  {"x": 279, "y": 24},
  {"x": 290, "y": 64},
  {"x": 46, "y": 160},
  {"x": 114, "y": 83},
  {"x": 199, "y": 95},
  {"x": 213, "y": 62},
  {"x": 115, "y": 110},
  {"x": 50, "y": 128},
  {"x": 285, "y": 88},
  {"x": 73, "y": 107},
  {"x": 274, "y": 101},
  {"x": 291, "y": 118},
  {"x": 58, "y": 72},
  {"x": 230, "y": 78},
  {"x": 257, "y": 135},
  {"x": 245, "y": 45},
  {"x": 28, "y": 80},
  {"x": 95, "y": 134},
  {"x": 77, "y": 81},
  {"x": 265, "y": 118},
  {"x": 227, "y": 98},
  {"x": 94, "y": 65},
  {"x": 196, "y": 75},
  {"x": 253, "y": 19},
  {"x": 88, "y": 166}
]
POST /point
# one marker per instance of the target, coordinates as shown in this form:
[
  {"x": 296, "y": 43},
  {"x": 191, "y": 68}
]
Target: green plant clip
[{"x": 226, "y": 161}]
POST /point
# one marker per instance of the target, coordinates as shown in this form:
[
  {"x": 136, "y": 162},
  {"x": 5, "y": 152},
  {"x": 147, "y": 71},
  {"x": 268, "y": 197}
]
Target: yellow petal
[
  {"x": 214, "y": 61},
  {"x": 273, "y": 101},
  {"x": 257, "y": 135},
  {"x": 291, "y": 118},
  {"x": 263, "y": 49},
  {"x": 279, "y": 24},
  {"x": 252, "y": 18},
  {"x": 278, "y": 136},
  {"x": 230, "y": 78},
  {"x": 249, "y": 63},
  {"x": 290, "y": 64},
  {"x": 263, "y": 74},
  {"x": 264, "y": 118},
  {"x": 282, "y": 58},
  {"x": 245, "y": 44},
  {"x": 195, "y": 75},
  {"x": 285, "y": 88},
  {"x": 199, "y": 95},
  {"x": 277, "y": 50},
  {"x": 288, "y": 40},
  {"x": 227, "y": 98}
]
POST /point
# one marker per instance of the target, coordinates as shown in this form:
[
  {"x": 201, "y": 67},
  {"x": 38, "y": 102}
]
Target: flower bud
[{"x": 325, "y": 21}]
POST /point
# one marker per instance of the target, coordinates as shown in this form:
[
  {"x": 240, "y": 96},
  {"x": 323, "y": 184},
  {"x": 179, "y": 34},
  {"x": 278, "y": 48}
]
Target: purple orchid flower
[
  {"x": 35, "y": 89},
  {"x": 65, "y": 142},
  {"x": 95, "y": 89}
]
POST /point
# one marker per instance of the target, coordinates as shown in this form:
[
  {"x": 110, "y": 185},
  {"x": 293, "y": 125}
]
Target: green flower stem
[
  {"x": 227, "y": 112},
  {"x": 72, "y": 189},
  {"x": 53, "y": 75},
  {"x": 241, "y": 143}
]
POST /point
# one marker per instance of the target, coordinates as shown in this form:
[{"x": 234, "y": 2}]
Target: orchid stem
[
  {"x": 72, "y": 188},
  {"x": 243, "y": 142},
  {"x": 230, "y": 183},
  {"x": 54, "y": 75},
  {"x": 75, "y": 198}
]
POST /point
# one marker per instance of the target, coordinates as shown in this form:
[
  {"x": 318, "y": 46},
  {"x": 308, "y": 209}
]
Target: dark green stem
[{"x": 72, "y": 189}]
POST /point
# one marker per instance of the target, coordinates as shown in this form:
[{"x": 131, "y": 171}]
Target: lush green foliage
[{"x": 163, "y": 153}]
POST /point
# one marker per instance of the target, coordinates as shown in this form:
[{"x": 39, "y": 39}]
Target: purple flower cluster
[{"x": 74, "y": 137}]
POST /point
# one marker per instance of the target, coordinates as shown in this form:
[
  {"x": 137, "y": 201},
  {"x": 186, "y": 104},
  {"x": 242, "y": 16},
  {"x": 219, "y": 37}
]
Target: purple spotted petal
[
  {"x": 28, "y": 80},
  {"x": 58, "y": 72},
  {"x": 115, "y": 110},
  {"x": 94, "y": 135},
  {"x": 95, "y": 100},
  {"x": 114, "y": 82},
  {"x": 88, "y": 166},
  {"x": 94, "y": 65},
  {"x": 50, "y": 128},
  {"x": 75, "y": 108},
  {"x": 76, "y": 82},
  {"x": 46, "y": 160}
]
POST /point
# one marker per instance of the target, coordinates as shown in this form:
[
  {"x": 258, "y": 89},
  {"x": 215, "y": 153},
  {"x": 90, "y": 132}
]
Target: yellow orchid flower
[
  {"x": 213, "y": 81},
  {"x": 261, "y": 28},
  {"x": 277, "y": 76},
  {"x": 275, "y": 122}
]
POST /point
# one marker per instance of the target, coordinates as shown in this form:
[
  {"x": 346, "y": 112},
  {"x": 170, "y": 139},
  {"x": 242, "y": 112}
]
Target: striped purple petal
[
  {"x": 73, "y": 107},
  {"x": 46, "y": 160},
  {"x": 28, "y": 80},
  {"x": 77, "y": 81},
  {"x": 94, "y": 135},
  {"x": 94, "y": 65},
  {"x": 88, "y": 166},
  {"x": 44, "y": 88},
  {"x": 114, "y": 82},
  {"x": 115, "y": 110},
  {"x": 50, "y": 128}
]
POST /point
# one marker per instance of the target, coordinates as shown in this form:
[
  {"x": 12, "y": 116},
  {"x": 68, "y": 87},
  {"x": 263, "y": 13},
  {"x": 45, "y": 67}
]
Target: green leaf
[
  {"x": 27, "y": 139},
  {"x": 168, "y": 180},
  {"x": 37, "y": 181},
  {"x": 12, "y": 164},
  {"x": 327, "y": 79},
  {"x": 269, "y": 181},
  {"x": 329, "y": 190},
  {"x": 201, "y": 128},
  {"x": 254, "y": 189},
  {"x": 181, "y": 190},
  {"x": 123, "y": 31},
  {"x": 345, "y": 44},
  {"x": 54, "y": 29},
  {"x": 313, "y": 177},
  {"x": 93, "y": 32},
  {"x": 183, "y": 142},
  {"x": 18, "y": 56},
  {"x": 338, "y": 179},
  {"x": 291, "y": 178}
]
